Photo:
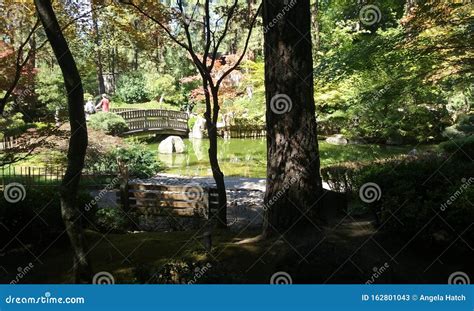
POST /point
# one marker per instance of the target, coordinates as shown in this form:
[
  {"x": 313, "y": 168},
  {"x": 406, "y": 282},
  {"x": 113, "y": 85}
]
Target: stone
[
  {"x": 172, "y": 144},
  {"x": 199, "y": 128},
  {"x": 337, "y": 139}
]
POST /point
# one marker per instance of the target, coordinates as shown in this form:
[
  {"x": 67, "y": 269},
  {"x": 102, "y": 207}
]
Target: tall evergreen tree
[{"x": 293, "y": 178}]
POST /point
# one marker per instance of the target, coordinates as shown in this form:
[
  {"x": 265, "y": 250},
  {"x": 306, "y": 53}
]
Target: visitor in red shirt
[{"x": 104, "y": 104}]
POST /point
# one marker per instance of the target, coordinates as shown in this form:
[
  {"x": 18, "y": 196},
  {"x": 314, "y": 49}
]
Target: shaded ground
[{"x": 351, "y": 251}]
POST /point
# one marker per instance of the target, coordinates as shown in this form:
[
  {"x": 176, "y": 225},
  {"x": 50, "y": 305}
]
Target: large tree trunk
[
  {"x": 77, "y": 143},
  {"x": 293, "y": 178}
]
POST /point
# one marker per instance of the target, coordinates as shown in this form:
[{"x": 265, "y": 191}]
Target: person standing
[
  {"x": 104, "y": 104},
  {"x": 89, "y": 108}
]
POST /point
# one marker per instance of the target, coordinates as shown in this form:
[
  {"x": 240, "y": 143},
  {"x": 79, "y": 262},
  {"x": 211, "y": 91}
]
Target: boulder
[
  {"x": 337, "y": 139},
  {"x": 172, "y": 144}
]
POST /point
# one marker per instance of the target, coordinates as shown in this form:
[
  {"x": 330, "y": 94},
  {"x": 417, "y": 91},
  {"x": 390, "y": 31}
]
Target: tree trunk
[
  {"x": 293, "y": 180},
  {"x": 316, "y": 25},
  {"x": 98, "y": 60},
  {"x": 218, "y": 175},
  {"x": 77, "y": 143}
]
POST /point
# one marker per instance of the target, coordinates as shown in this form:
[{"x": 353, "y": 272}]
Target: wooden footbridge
[{"x": 168, "y": 122}]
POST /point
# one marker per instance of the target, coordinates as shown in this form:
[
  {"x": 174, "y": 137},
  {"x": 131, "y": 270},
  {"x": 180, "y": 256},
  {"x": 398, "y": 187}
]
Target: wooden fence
[{"x": 245, "y": 132}]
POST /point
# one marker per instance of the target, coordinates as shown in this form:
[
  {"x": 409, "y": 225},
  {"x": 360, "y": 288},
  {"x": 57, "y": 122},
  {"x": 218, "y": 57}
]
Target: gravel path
[{"x": 244, "y": 196}]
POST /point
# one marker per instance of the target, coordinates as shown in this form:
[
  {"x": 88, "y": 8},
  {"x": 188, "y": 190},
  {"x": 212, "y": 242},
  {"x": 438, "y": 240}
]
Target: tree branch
[{"x": 245, "y": 48}]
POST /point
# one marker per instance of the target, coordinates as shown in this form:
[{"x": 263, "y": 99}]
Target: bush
[
  {"x": 461, "y": 148},
  {"x": 37, "y": 219},
  {"x": 464, "y": 127},
  {"x": 111, "y": 220},
  {"x": 13, "y": 125},
  {"x": 141, "y": 162},
  {"x": 414, "y": 191},
  {"x": 157, "y": 86},
  {"x": 110, "y": 123},
  {"x": 131, "y": 88}
]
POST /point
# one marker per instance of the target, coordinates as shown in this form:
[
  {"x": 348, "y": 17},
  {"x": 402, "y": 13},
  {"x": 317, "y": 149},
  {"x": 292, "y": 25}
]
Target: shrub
[
  {"x": 12, "y": 126},
  {"x": 110, "y": 123},
  {"x": 461, "y": 148},
  {"x": 464, "y": 127},
  {"x": 414, "y": 191},
  {"x": 37, "y": 219},
  {"x": 131, "y": 88},
  {"x": 141, "y": 162},
  {"x": 109, "y": 220}
]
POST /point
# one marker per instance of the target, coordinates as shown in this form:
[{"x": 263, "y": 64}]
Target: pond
[{"x": 247, "y": 157}]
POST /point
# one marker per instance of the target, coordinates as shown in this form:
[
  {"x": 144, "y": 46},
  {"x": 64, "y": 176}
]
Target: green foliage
[
  {"x": 162, "y": 86},
  {"x": 131, "y": 88},
  {"x": 463, "y": 127},
  {"x": 141, "y": 162},
  {"x": 110, "y": 123},
  {"x": 460, "y": 148},
  {"x": 37, "y": 219},
  {"x": 51, "y": 91},
  {"x": 12, "y": 126},
  {"x": 111, "y": 220},
  {"x": 413, "y": 190}
]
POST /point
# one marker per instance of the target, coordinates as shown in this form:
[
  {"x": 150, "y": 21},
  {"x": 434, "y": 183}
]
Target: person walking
[{"x": 104, "y": 104}]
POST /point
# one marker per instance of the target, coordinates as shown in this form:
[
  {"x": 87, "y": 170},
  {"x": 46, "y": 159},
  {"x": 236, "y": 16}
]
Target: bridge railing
[
  {"x": 153, "y": 113},
  {"x": 154, "y": 120}
]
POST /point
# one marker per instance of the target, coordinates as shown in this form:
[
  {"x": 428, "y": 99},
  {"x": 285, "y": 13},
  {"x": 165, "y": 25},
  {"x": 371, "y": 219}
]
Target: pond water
[{"x": 247, "y": 157}]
